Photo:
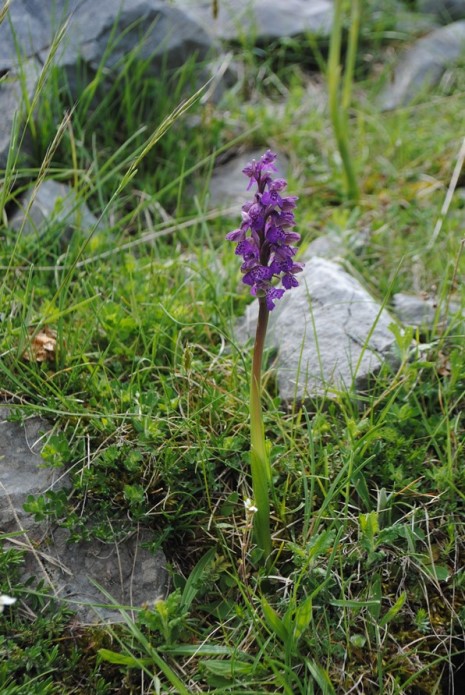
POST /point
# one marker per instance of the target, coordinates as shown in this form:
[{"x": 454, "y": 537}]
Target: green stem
[
  {"x": 259, "y": 461},
  {"x": 351, "y": 55},
  {"x": 339, "y": 103}
]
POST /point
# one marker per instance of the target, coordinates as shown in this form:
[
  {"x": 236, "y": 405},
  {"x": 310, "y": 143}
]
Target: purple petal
[
  {"x": 292, "y": 237},
  {"x": 278, "y": 185},
  {"x": 275, "y": 235},
  {"x": 268, "y": 158},
  {"x": 289, "y": 281},
  {"x": 247, "y": 249},
  {"x": 271, "y": 198},
  {"x": 258, "y": 275},
  {"x": 285, "y": 219},
  {"x": 289, "y": 202},
  {"x": 236, "y": 235},
  {"x": 282, "y": 253},
  {"x": 297, "y": 267},
  {"x": 271, "y": 295}
]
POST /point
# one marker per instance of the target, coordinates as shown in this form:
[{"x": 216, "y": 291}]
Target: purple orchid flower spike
[
  {"x": 265, "y": 238},
  {"x": 265, "y": 241}
]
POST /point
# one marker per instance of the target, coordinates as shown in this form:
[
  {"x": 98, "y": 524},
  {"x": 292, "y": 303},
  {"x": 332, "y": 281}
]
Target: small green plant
[{"x": 51, "y": 504}]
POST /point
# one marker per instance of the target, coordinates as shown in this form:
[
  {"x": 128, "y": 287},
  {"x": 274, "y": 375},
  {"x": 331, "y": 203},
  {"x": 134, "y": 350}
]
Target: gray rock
[
  {"x": 394, "y": 16},
  {"x": 106, "y": 32},
  {"x": 53, "y": 204},
  {"x": 130, "y": 574},
  {"x": 329, "y": 333},
  {"x": 336, "y": 245},
  {"x": 445, "y": 10},
  {"x": 262, "y": 20},
  {"x": 102, "y": 33},
  {"x": 22, "y": 470},
  {"x": 32, "y": 22},
  {"x": 228, "y": 185},
  {"x": 422, "y": 66},
  {"x": 327, "y": 246},
  {"x": 421, "y": 312},
  {"x": 411, "y": 24},
  {"x": 16, "y": 89}
]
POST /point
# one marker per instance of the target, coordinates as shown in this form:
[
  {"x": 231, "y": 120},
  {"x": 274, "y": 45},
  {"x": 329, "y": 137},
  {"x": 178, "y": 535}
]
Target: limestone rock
[
  {"x": 131, "y": 574},
  {"x": 128, "y": 572},
  {"x": 33, "y": 29},
  {"x": 330, "y": 335},
  {"x": 409, "y": 24},
  {"x": 421, "y": 312},
  {"x": 22, "y": 470},
  {"x": 395, "y": 15},
  {"x": 107, "y": 32},
  {"x": 263, "y": 20},
  {"x": 53, "y": 204},
  {"x": 102, "y": 32},
  {"x": 341, "y": 244},
  {"x": 445, "y": 10},
  {"x": 327, "y": 246},
  {"x": 14, "y": 88},
  {"x": 422, "y": 66}
]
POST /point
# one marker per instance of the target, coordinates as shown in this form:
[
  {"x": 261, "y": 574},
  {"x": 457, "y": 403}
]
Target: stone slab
[
  {"x": 101, "y": 33},
  {"x": 50, "y": 204},
  {"x": 445, "y": 10},
  {"x": 262, "y": 20},
  {"x": 329, "y": 334},
  {"x": 74, "y": 572},
  {"x": 22, "y": 469},
  {"x": 421, "y": 66},
  {"x": 422, "y": 312},
  {"x": 127, "y": 571}
]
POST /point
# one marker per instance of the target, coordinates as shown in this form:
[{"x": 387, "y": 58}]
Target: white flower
[
  {"x": 250, "y": 507},
  {"x": 6, "y": 601}
]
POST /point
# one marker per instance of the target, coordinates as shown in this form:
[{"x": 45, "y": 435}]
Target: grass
[{"x": 148, "y": 390}]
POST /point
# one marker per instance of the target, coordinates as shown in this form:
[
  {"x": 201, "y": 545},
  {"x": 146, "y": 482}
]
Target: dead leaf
[
  {"x": 42, "y": 347},
  {"x": 444, "y": 368}
]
